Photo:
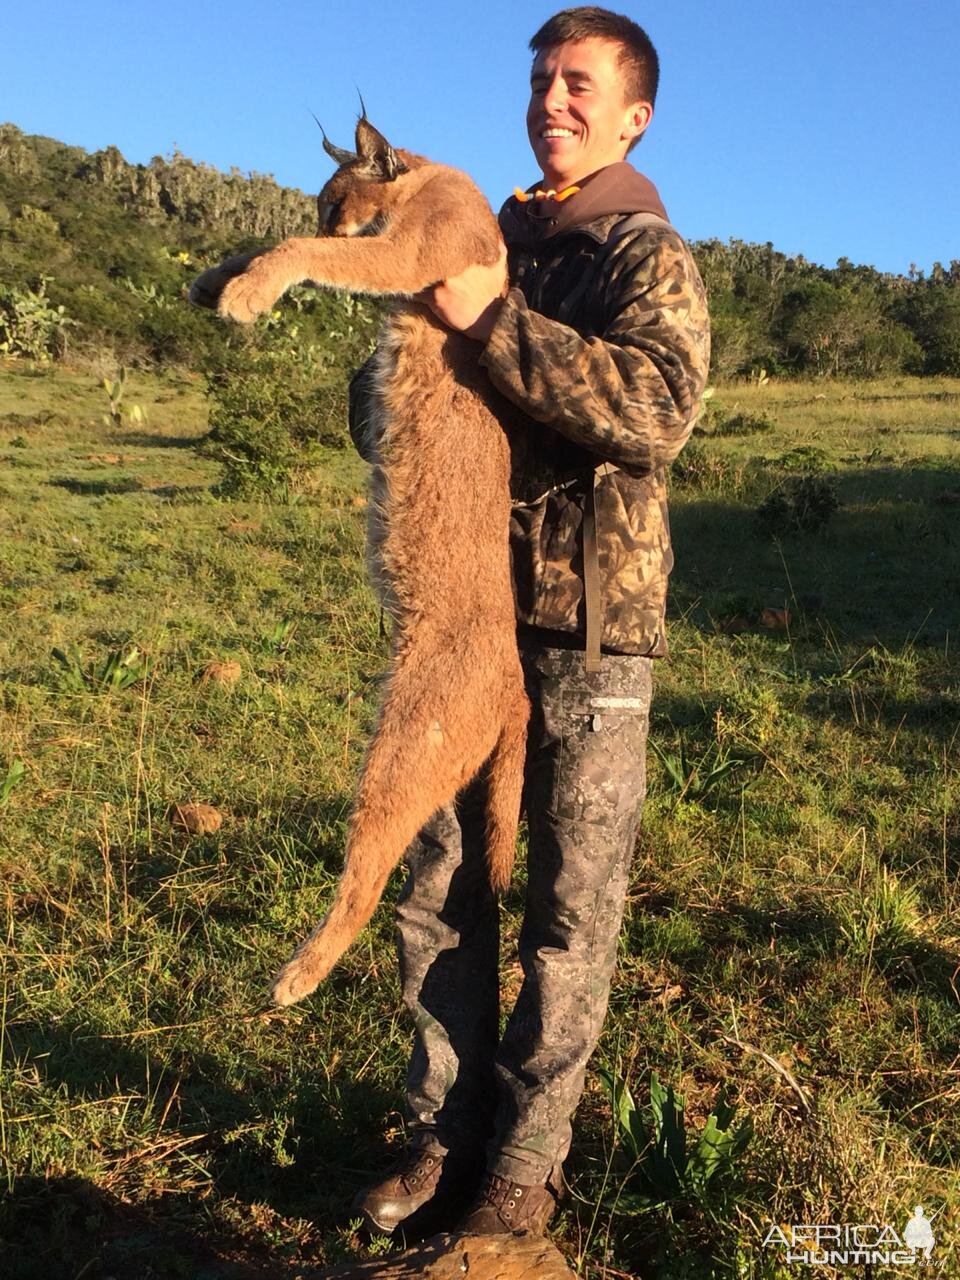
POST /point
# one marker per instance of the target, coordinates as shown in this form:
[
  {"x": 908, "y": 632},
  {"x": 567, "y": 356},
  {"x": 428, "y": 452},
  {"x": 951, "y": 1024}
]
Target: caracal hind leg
[{"x": 420, "y": 757}]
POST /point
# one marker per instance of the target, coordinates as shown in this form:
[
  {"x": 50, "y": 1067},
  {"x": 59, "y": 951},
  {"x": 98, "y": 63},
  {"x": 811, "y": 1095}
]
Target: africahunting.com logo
[{"x": 820, "y": 1243}]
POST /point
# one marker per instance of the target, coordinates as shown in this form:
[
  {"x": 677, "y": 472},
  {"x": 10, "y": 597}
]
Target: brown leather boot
[
  {"x": 504, "y": 1206},
  {"x": 426, "y": 1191}
]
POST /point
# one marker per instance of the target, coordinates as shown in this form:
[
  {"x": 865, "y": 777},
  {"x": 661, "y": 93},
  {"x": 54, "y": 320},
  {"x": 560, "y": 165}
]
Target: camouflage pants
[{"x": 584, "y": 788}]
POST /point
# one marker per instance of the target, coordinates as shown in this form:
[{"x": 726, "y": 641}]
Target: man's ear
[{"x": 638, "y": 117}]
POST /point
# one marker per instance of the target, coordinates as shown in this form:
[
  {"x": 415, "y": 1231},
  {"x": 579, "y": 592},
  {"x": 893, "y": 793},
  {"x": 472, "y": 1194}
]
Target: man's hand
[{"x": 471, "y": 301}]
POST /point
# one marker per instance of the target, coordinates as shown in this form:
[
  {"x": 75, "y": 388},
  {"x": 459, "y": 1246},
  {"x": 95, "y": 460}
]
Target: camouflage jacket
[{"x": 603, "y": 342}]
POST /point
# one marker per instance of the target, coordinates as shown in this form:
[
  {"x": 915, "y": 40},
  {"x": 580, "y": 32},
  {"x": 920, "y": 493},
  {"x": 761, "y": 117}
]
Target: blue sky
[{"x": 830, "y": 128}]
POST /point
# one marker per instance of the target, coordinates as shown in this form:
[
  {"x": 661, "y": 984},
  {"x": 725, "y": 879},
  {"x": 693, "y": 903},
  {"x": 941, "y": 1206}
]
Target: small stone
[
  {"x": 775, "y": 619},
  {"x": 221, "y": 673},
  {"x": 197, "y": 819}
]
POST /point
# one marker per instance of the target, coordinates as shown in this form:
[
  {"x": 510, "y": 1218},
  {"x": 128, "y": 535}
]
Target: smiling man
[
  {"x": 581, "y": 112},
  {"x": 602, "y": 340}
]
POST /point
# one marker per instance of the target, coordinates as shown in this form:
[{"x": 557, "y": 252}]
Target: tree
[{"x": 931, "y": 311}]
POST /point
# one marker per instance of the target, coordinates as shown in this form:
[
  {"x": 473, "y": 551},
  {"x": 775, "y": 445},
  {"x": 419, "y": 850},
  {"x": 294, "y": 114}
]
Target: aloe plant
[
  {"x": 667, "y": 1161},
  {"x": 694, "y": 779},
  {"x": 117, "y": 671}
]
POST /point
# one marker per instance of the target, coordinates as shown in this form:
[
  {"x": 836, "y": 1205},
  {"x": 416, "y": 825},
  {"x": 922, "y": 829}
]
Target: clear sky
[{"x": 827, "y": 126}]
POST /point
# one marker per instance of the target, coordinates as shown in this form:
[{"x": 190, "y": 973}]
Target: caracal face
[
  {"x": 352, "y": 203},
  {"x": 356, "y": 199}
]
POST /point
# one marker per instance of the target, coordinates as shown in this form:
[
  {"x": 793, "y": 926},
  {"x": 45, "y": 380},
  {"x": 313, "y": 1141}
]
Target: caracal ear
[
  {"x": 373, "y": 147},
  {"x": 339, "y": 154}
]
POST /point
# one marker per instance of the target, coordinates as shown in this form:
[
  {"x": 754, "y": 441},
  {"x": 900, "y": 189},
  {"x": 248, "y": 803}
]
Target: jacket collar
[{"x": 616, "y": 189}]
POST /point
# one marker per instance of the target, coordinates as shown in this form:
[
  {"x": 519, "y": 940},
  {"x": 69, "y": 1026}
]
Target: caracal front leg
[
  {"x": 398, "y": 263},
  {"x": 266, "y": 279}
]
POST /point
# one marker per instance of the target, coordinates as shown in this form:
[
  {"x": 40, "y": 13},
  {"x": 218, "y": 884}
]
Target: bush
[
  {"x": 804, "y": 457},
  {"x": 802, "y": 504},
  {"x": 697, "y": 468},
  {"x": 741, "y": 424},
  {"x": 30, "y": 324},
  {"x": 271, "y": 413},
  {"x": 278, "y": 392}
]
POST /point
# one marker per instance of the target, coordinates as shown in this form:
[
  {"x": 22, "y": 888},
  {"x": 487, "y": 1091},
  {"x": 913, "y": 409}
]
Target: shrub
[
  {"x": 802, "y": 504},
  {"x": 270, "y": 412},
  {"x": 698, "y": 468},
  {"x": 805, "y": 457},
  {"x": 278, "y": 392},
  {"x": 30, "y": 324}
]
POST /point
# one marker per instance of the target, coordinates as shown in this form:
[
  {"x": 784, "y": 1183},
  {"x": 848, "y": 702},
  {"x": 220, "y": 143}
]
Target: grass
[{"x": 795, "y": 915}]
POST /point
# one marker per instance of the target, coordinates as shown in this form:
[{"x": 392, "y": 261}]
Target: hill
[{"x": 113, "y": 244}]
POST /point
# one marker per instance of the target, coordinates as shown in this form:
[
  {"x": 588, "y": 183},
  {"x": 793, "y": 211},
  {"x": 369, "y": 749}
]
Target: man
[{"x": 603, "y": 342}]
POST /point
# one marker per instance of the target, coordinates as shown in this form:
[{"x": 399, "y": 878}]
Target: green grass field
[{"x": 793, "y": 929}]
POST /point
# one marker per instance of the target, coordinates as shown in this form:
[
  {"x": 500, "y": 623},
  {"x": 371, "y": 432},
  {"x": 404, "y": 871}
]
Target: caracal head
[{"x": 358, "y": 199}]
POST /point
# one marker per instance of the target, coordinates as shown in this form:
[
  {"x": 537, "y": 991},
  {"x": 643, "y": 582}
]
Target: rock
[
  {"x": 198, "y": 819},
  {"x": 775, "y": 619},
  {"x": 520, "y": 1256},
  {"x": 221, "y": 673}
]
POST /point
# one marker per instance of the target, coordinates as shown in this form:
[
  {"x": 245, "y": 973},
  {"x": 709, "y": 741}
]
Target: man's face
[{"x": 577, "y": 120}]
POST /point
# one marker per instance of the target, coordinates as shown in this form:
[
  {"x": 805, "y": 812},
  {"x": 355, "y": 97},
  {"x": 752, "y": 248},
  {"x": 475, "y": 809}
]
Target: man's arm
[{"x": 632, "y": 395}]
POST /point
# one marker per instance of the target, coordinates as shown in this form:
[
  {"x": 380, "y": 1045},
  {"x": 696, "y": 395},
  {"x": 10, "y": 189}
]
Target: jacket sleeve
[
  {"x": 360, "y": 416},
  {"x": 632, "y": 394}
]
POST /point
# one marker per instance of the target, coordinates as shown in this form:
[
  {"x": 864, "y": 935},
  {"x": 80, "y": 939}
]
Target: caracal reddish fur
[{"x": 454, "y": 698}]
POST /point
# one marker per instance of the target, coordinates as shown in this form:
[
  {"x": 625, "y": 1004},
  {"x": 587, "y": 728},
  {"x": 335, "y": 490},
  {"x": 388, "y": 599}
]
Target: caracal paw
[
  {"x": 246, "y": 297},
  {"x": 208, "y": 287}
]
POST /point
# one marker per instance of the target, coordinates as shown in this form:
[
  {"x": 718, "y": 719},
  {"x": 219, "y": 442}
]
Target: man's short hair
[{"x": 638, "y": 63}]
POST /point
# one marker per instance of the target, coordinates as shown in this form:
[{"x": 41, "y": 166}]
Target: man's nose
[{"x": 555, "y": 98}]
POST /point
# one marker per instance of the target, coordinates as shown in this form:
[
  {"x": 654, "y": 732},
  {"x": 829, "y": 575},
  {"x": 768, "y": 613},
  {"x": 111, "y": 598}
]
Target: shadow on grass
[
  {"x": 171, "y": 492},
  {"x": 96, "y": 488},
  {"x": 66, "y": 1227},
  {"x": 301, "y": 1142},
  {"x": 229, "y": 1134},
  {"x": 61, "y": 1228},
  {"x": 798, "y": 939},
  {"x": 144, "y": 440}
]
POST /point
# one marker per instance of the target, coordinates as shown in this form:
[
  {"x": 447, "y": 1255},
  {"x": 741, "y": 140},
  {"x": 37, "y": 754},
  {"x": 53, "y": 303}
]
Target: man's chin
[{"x": 557, "y": 179}]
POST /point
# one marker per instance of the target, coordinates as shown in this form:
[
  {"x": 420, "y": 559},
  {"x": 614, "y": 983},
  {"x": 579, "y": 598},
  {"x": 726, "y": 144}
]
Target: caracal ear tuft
[
  {"x": 341, "y": 156},
  {"x": 373, "y": 147}
]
